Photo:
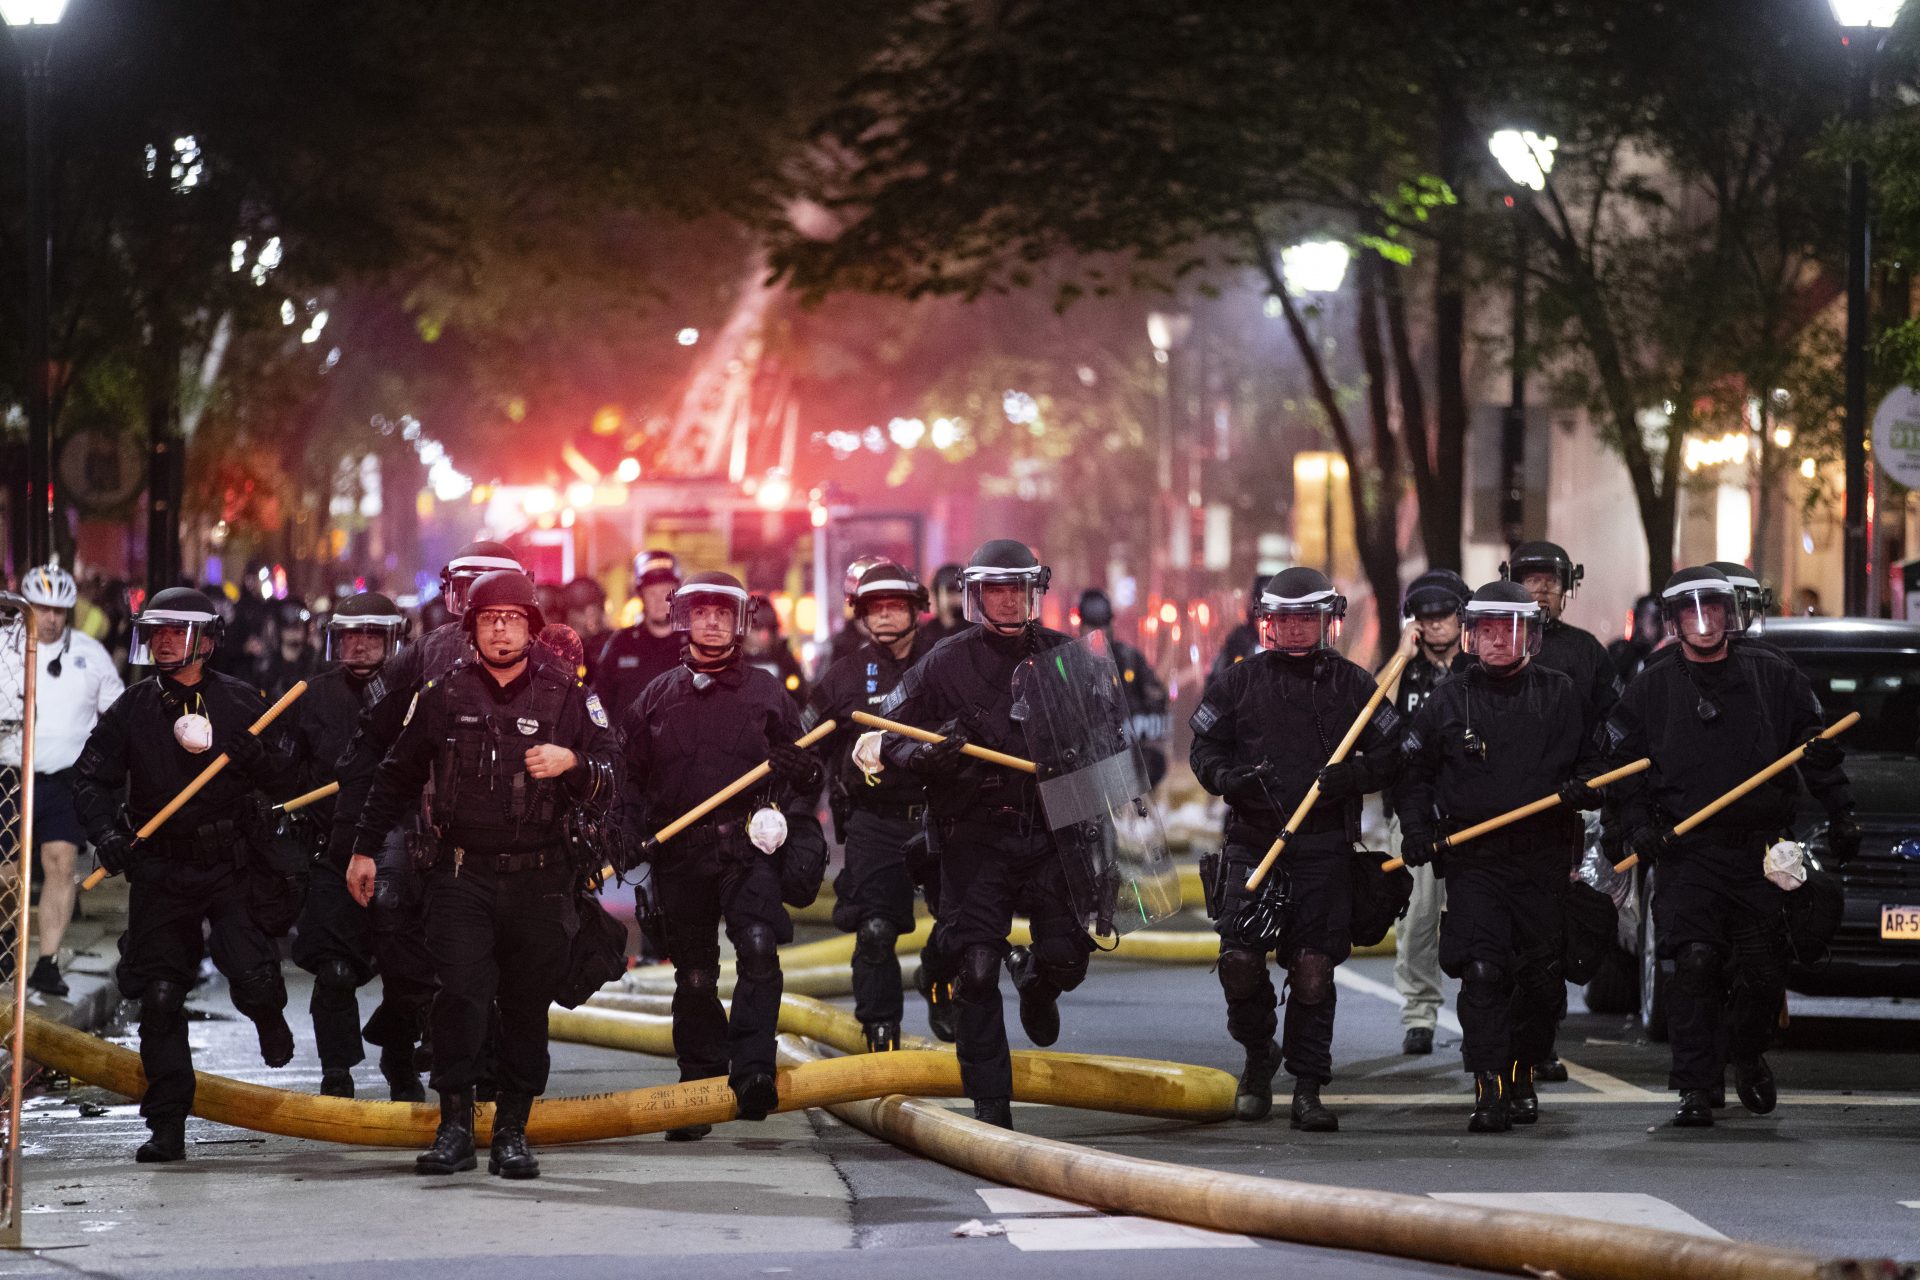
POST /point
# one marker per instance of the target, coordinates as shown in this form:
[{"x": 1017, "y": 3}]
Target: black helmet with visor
[
  {"x": 708, "y": 589},
  {"x": 1753, "y": 601},
  {"x": 1700, "y": 602},
  {"x": 1508, "y": 611},
  {"x": 468, "y": 565},
  {"x": 176, "y": 609},
  {"x": 889, "y": 581},
  {"x": 1302, "y": 592},
  {"x": 1437, "y": 591},
  {"x": 1003, "y": 562},
  {"x": 368, "y": 613},
  {"x": 1543, "y": 557}
]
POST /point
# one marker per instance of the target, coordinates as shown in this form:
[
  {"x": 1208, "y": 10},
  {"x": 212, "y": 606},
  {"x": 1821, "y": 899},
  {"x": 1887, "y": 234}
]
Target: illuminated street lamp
[
  {"x": 1316, "y": 266},
  {"x": 1527, "y": 158},
  {"x": 1863, "y": 24},
  {"x": 32, "y": 23}
]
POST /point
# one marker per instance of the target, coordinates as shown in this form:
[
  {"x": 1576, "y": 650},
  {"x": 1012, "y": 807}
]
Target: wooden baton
[
  {"x": 927, "y": 735},
  {"x": 1541, "y": 805},
  {"x": 1759, "y": 779},
  {"x": 311, "y": 797},
  {"x": 207, "y": 775},
  {"x": 1386, "y": 679},
  {"x": 726, "y": 793}
]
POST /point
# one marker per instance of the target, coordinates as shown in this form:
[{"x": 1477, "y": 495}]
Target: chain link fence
[{"x": 19, "y": 663}]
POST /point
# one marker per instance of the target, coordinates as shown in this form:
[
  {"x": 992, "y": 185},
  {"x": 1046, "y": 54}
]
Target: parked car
[{"x": 1855, "y": 664}]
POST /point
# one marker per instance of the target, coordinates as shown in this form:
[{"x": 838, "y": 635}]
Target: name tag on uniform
[
  {"x": 626, "y": 661},
  {"x": 527, "y": 726}
]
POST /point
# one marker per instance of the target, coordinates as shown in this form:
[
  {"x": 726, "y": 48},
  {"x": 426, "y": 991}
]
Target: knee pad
[
  {"x": 259, "y": 990},
  {"x": 1310, "y": 977},
  {"x": 162, "y": 1004},
  {"x": 1700, "y": 970},
  {"x": 756, "y": 953},
  {"x": 1484, "y": 984},
  {"x": 1241, "y": 972},
  {"x": 873, "y": 940},
  {"x": 979, "y": 975},
  {"x": 1062, "y": 961},
  {"x": 696, "y": 980},
  {"x": 335, "y": 977}
]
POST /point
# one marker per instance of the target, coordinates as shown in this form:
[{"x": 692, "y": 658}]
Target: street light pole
[
  {"x": 33, "y": 23},
  {"x": 1864, "y": 23}
]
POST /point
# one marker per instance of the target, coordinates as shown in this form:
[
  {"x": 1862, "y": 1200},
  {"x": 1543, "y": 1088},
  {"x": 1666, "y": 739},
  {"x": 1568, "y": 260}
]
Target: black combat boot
[
  {"x": 276, "y": 1038},
  {"x": 941, "y": 1015},
  {"x": 1309, "y": 1113},
  {"x": 1039, "y": 1007},
  {"x": 336, "y": 1082},
  {"x": 1489, "y": 1104},
  {"x": 1696, "y": 1110},
  {"x": 755, "y": 1096},
  {"x": 168, "y": 1143},
  {"x": 882, "y": 1037},
  {"x": 1418, "y": 1040},
  {"x": 452, "y": 1149},
  {"x": 1253, "y": 1100},
  {"x": 1753, "y": 1081},
  {"x": 511, "y": 1157},
  {"x": 1523, "y": 1104},
  {"x": 403, "y": 1082},
  {"x": 1550, "y": 1070},
  {"x": 994, "y": 1111}
]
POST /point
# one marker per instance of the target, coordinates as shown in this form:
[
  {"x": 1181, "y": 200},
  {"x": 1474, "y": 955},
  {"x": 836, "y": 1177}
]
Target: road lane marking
[
  {"x": 1055, "y": 1235},
  {"x": 1599, "y": 1081},
  {"x": 1616, "y": 1208},
  {"x": 1019, "y": 1200}
]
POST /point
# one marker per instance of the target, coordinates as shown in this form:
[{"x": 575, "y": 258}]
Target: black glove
[
  {"x": 1418, "y": 851},
  {"x": 1576, "y": 794},
  {"x": 943, "y": 758},
  {"x": 1649, "y": 844},
  {"x": 1843, "y": 838},
  {"x": 634, "y": 856},
  {"x": 244, "y": 751},
  {"x": 1344, "y": 780},
  {"x": 1823, "y": 753},
  {"x": 116, "y": 853},
  {"x": 1245, "y": 784},
  {"x": 795, "y": 766}
]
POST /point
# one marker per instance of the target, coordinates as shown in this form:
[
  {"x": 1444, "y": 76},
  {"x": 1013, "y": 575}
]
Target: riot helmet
[
  {"x": 50, "y": 587},
  {"x": 654, "y": 566},
  {"x": 1700, "y": 608},
  {"x": 1298, "y": 612},
  {"x": 466, "y": 568},
  {"x": 1543, "y": 557},
  {"x": 369, "y": 615},
  {"x": 1435, "y": 591},
  {"x": 887, "y": 580},
  {"x": 1752, "y": 601},
  {"x": 856, "y": 569},
  {"x": 704, "y": 591},
  {"x": 178, "y": 628},
  {"x": 998, "y": 563},
  {"x": 1095, "y": 610},
  {"x": 490, "y": 600},
  {"x": 1503, "y": 626},
  {"x": 585, "y": 593}
]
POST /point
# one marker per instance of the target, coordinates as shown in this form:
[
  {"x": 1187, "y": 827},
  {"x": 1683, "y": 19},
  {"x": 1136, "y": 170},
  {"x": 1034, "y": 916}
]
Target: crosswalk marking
[
  {"x": 1617, "y": 1208},
  {"x": 1053, "y": 1225}
]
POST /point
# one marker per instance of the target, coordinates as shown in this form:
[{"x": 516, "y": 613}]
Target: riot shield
[{"x": 1093, "y": 787}]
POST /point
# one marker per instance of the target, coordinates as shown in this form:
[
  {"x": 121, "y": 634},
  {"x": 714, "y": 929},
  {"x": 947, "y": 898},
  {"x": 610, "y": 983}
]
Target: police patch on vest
[
  {"x": 1205, "y": 716},
  {"x": 527, "y": 726},
  {"x": 1386, "y": 719},
  {"x": 596, "y": 712}
]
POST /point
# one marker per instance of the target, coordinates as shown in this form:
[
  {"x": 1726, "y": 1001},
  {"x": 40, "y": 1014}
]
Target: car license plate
[{"x": 1900, "y": 922}]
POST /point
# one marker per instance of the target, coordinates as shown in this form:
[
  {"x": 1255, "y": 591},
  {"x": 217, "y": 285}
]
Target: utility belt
[
  {"x": 504, "y": 863},
  {"x": 707, "y": 834},
  {"x": 223, "y": 843},
  {"x": 1318, "y": 822},
  {"x": 1708, "y": 836},
  {"x": 1011, "y": 817},
  {"x": 896, "y": 810}
]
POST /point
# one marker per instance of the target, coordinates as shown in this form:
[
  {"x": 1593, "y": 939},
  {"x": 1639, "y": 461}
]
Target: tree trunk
[{"x": 1444, "y": 529}]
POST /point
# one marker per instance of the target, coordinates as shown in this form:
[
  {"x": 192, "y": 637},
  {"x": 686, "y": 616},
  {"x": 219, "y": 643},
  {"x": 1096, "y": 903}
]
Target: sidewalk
[{"x": 92, "y": 949}]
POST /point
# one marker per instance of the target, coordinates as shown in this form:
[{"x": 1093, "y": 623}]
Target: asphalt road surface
[{"x": 1832, "y": 1171}]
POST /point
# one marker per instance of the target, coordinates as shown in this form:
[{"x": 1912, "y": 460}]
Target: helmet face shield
[
  {"x": 346, "y": 639},
  {"x": 1704, "y": 613},
  {"x": 702, "y": 610},
  {"x": 171, "y": 641},
  {"x": 1002, "y": 598},
  {"x": 1503, "y": 637},
  {"x": 1298, "y": 629}
]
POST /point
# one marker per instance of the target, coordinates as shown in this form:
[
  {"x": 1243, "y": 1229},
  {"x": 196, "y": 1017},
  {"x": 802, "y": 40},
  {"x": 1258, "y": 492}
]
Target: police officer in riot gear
[
  {"x": 1147, "y": 702},
  {"x": 1752, "y": 601},
  {"x": 1432, "y": 603},
  {"x": 949, "y": 605},
  {"x": 1262, "y": 735},
  {"x": 333, "y": 941},
  {"x": 634, "y": 657},
  {"x": 1549, "y": 573},
  {"x": 201, "y": 869},
  {"x": 1243, "y": 641},
  {"x": 880, "y": 815},
  {"x": 850, "y": 636},
  {"x": 1709, "y": 719},
  {"x": 993, "y": 842},
  {"x": 586, "y": 602},
  {"x": 511, "y": 746},
  {"x": 1498, "y": 735},
  {"x": 1644, "y": 633},
  {"x": 687, "y": 735}
]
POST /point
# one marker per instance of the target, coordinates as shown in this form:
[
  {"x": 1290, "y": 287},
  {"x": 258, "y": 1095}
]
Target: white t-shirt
[{"x": 67, "y": 705}]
